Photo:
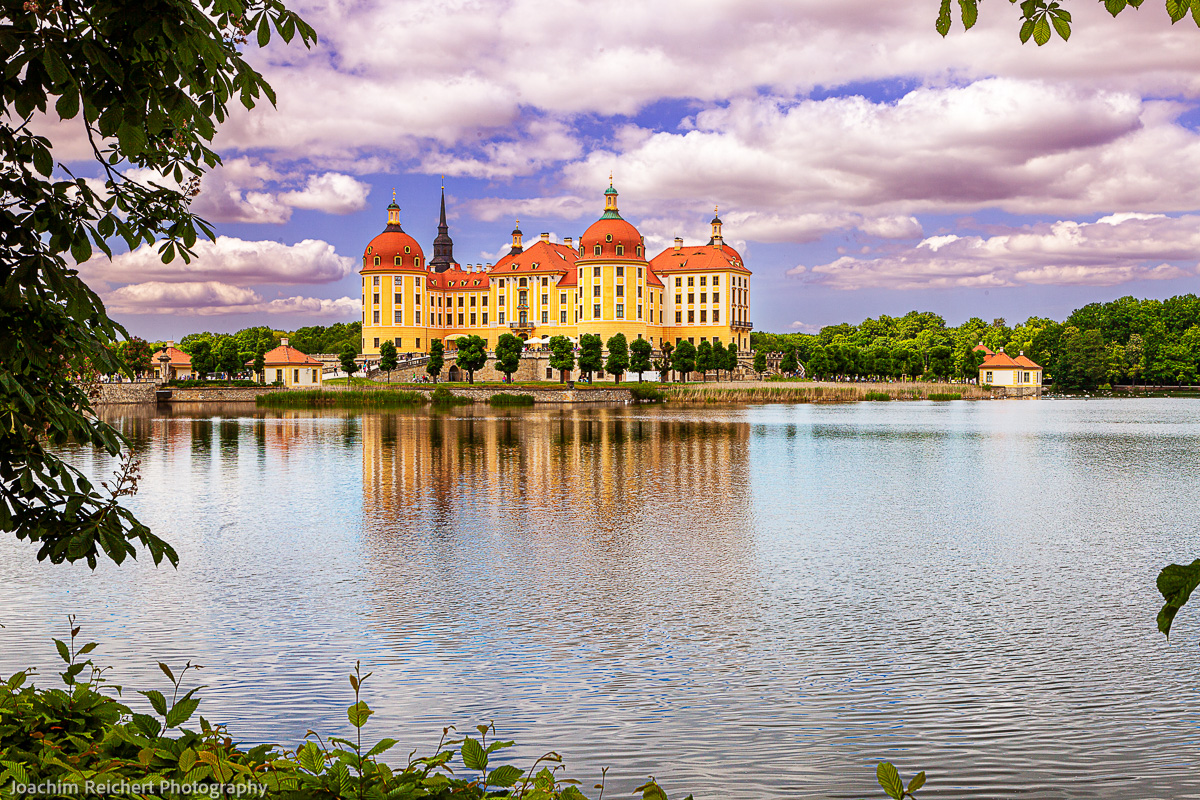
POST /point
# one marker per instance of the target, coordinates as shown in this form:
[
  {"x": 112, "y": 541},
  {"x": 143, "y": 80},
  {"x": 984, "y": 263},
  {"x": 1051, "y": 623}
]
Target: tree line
[{"x": 1127, "y": 341}]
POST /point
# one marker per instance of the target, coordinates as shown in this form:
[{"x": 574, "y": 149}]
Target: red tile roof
[
  {"x": 456, "y": 280},
  {"x": 178, "y": 357},
  {"x": 1026, "y": 362},
  {"x": 547, "y": 256},
  {"x": 981, "y": 349},
  {"x": 999, "y": 361},
  {"x": 705, "y": 257},
  {"x": 286, "y": 355},
  {"x": 387, "y": 246}
]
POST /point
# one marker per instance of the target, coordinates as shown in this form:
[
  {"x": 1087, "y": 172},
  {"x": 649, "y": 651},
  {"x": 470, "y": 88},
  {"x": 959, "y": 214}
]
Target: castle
[{"x": 604, "y": 285}]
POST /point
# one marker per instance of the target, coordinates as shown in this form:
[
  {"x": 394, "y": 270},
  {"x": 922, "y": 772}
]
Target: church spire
[{"x": 443, "y": 245}]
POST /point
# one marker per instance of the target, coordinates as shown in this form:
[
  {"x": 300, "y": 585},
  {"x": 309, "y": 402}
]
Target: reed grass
[
  {"x": 506, "y": 399},
  {"x": 320, "y": 398},
  {"x": 809, "y": 392}
]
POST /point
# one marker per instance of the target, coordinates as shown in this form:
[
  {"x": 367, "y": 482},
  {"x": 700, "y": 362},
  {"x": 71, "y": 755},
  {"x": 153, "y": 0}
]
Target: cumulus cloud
[
  {"x": 232, "y": 261},
  {"x": 332, "y": 193},
  {"x": 490, "y": 209},
  {"x": 1113, "y": 250},
  {"x": 213, "y": 298}
]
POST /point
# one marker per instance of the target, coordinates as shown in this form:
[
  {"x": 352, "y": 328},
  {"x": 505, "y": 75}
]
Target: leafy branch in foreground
[
  {"x": 145, "y": 82},
  {"x": 1040, "y": 19},
  {"x": 71, "y": 736}
]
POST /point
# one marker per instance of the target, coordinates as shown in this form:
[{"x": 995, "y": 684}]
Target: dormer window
[
  {"x": 417, "y": 262},
  {"x": 397, "y": 262},
  {"x": 407, "y": 249},
  {"x": 638, "y": 250},
  {"x": 377, "y": 261},
  {"x": 620, "y": 249},
  {"x": 597, "y": 251},
  {"x": 608, "y": 237}
]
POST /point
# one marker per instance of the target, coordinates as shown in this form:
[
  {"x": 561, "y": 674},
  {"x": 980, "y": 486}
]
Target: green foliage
[
  {"x": 683, "y": 358},
  {"x": 618, "y": 356},
  {"x": 472, "y": 355},
  {"x": 324, "y": 398},
  {"x": 789, "y": 364},
  {"x": 1176, "y": 583},
  {"x": 508, "y": 353},
  {"x": 591, "y": 358},
  {"x": 182, "y": 383},
  {"x": 704, "y": 358},
  {"x": 507, "y": 399},
  {"x": 760, "y": 363},
  {"x": 441, "y": 396},
  {"x": 387, "y": 357},
  {"x": 203, "y": 361},
  {"x": 437, "y": 359},
  {"x": 136, "y": 356},
  {"x": 646, "y": 393},
  {"x": 889, "y": 779},
  {"x": 346, "y": 357},
  {"x": 943, "y": 396},
  {"x": 322, "y": 339},
  {"x": 1041, "y": 18},
  {"x": 562, "y": 355},
  {"x": 639, "y": 356},
  {"x": 877, "y": 396}
]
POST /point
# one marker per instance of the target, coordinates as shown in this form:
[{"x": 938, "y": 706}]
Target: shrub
[
  {"x": 877, "y": 396},
  {"x": 320, "y": 398},
  {"x": 506, "y": 399},
  {"x": 645, "y": 392},
  {"x": 178, "y": 383},
  {"x": 441, "y": 396},
  {"x": 945, "y": 396}
]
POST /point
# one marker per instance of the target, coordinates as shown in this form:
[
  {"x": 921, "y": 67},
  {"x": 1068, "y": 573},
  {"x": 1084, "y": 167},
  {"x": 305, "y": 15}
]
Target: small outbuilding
[
  {"x": 1001, "y": 369},
  {"x": 287, "y": 365},
  {"x": 170, "y": 363}
]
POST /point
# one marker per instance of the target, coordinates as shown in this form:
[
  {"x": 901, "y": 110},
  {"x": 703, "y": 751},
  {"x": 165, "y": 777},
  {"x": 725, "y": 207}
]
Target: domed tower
[
  {"x": 618, "y": 293},
  {"x": 393, "y": 271},
  {"x": 443, "y": 245},
  {"x": 393, "y": 249}
]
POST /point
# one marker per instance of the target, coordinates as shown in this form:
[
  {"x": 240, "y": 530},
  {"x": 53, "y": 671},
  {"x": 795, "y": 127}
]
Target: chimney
[
  {"x": 171, "y": 343},
  {"x": 678, "y": 242},
  {"x": 283, "y": 342},
  {"x": 545, "y": 237},
  {"x": 569, "y": 242},
  {"x": 489, "y": 266}
]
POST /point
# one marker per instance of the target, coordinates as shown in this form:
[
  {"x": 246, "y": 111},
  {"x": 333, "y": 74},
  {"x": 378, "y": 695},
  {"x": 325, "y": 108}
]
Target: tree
[
  {"x": 349, "y": 365},
  {"x": 147, "y": 89},
  {"x": 939, "y": 361},
  {"x": 230, "y": 359},
  {"x": 472, "y": 355},
  {"x": 203, "y": 361},
  {"x": 137, "y": 356},
  {"x": 718, "y": 357},
  {"x": 639, "y": 356},
  {"x": 760, "y": 363},
  {"x": 1040, "y": 19},
  {"x": 562, "y": 356},
  {"x": 663, "y": 365},
  {"x": 731, "y": 359},
  {"x": 260, "y": 363},
  {"x": 618, "y": 356},
  {"x": 704, "y": 359},
  {"x": 508, "y": 353},
  {"x": 591, "y": 358},
  {"x": 683, "y": 359},
  {"x": 1134, "y": 352},
  {"x": 437, "y": 359},
  {"x": 387, "y": 357},
  {"x": 789, "y": 364}
]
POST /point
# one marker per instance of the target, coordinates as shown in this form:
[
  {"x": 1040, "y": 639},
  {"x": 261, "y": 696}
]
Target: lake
[{"x": 744, "y": 602}]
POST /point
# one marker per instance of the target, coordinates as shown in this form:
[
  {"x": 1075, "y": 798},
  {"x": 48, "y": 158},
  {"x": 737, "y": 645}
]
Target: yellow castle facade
[{"x": 605, "y": 284}]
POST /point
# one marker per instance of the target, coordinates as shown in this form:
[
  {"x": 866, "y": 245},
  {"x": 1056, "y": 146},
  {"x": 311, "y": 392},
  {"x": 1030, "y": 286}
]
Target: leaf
[
  {"x": 187, "y": 759},
  {"x": 917, "y": 782},
  {"x": 1063, "y": 26},
  {"x": 1114, "y": 6},
  {"x": 1026, "y": 30},
  {"x": 157, "y": 701},
  {"x": 381, "y": 746},
  {"x": 167, "y": 671},
  {"x": 182, "y": 711},
  {"x": 87, "y": 648},
  {"x": 68, "y": 105},
  {"x": 1176, "y": 583},
  {"x": 651, "y": 791},
  {"x": 942, "y": 25},
  {"x": 1196, "y": 12},
  {"x": 16, "y": 770},
  {"x": 1177, "y": 9},
  {"x": 889, "y": 779},
  {"x": 311, "y": 758},
  {"x": 1041, "y": 31},
  {"x": 264, "y": 31},
  {"x": 63, "y": 651},
  {"x": 473, "y": 755},
  {"x": 147, "y": 725},
  {"x": 970, "y": 12},
  {"x": 505, "y": 776},
  {"x": 358, "y": 714}
]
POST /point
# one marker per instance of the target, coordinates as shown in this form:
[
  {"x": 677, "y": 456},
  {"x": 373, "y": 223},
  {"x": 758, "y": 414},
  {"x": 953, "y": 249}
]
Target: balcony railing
[
  {"x": 743, "y": 325},
  {"x": 521, "y": 326}
]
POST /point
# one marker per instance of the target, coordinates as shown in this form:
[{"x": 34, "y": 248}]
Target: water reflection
[{"x": 745, "y": 603}]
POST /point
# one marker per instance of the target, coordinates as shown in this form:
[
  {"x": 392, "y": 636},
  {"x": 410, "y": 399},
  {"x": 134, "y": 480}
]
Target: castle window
[
  {"x": 545, "y": 281},
  {"x": 679, "y": 281},
  {"x": 397, "y": 262},
  {"x": 716, "y": 315},
  {"x": 702, "y": 279},
  {"x": 485, "y": 301},
  {"x": 596, "y": 290},
  {"x": 596, "y": 311},
  {"x": 376, "y": 297},
  {"x": 500, "y": 300},
  {"x": 418, "y": 280},
  {"x": 679, "y": 316},
  {"x": 620, "y": 290},
  {"x": 620, "y": 272},
  {"x": 472, "y": 318},
  {"x": 562, "y": 317},
  {"x": 460, "y": 301},
  {"x": 691, "y": 280},
  {"x": 691, "y": 297},
  {"x": 545, "y": 317},
  {"x": 485, "y": 318},
  {"x": 377, "y": 263},
  {"x": 375, "y": 319},
  {"x": 639, "y": 251},
  {"x": 524, "y": 283},
  {"x": 417, "y": 261},
  {"x": 691, "y": 316},
  {"x": 473, "y": 301},
  {"x": 399, "y": 300},
  {"x": 639, "y": 290},
  {"x": 597, "y": 250},
  {"x": 500, "y": 317},
  {"x": 460, "y": 320},
  {"x": 608, "y": 238},
  {"x": 639, "y": 317},
  {"x": 545, "y": 299},
  {"x": 620, "y": 249},
  {"x": 407, "y": 249},
  {"x": 704, "y": 297},
  {"x": 418, "y": 319},
  {"x": 703, "y": 315},
  {"x": 639, "y": 272},
  {"x": 562, "y": 298},
  {"x": 715, "y": 279},
  {"x": 399, "y": 318},
  {"x": 595, "y": 272},
  {"x": 620, "y": 311}
]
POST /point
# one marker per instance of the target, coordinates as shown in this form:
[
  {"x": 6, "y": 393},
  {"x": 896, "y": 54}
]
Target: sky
[{"x": 862, "y": 164}]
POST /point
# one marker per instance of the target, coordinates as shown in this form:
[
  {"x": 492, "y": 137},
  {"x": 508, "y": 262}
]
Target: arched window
[
  {"x": 377, "y": 261},
  {"x": 417, "y": 261},
  {"x": 397, "y": 261},
  {"x": 597, "y": 249}
]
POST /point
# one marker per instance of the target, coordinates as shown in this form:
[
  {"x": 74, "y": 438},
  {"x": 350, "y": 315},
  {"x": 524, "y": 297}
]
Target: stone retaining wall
[
  {"x": 122, "y": 393},
  {"x": 482, "y": 395},
  {"x": 218, "y": 394},
  {"x": 1012, "y": 392}
]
